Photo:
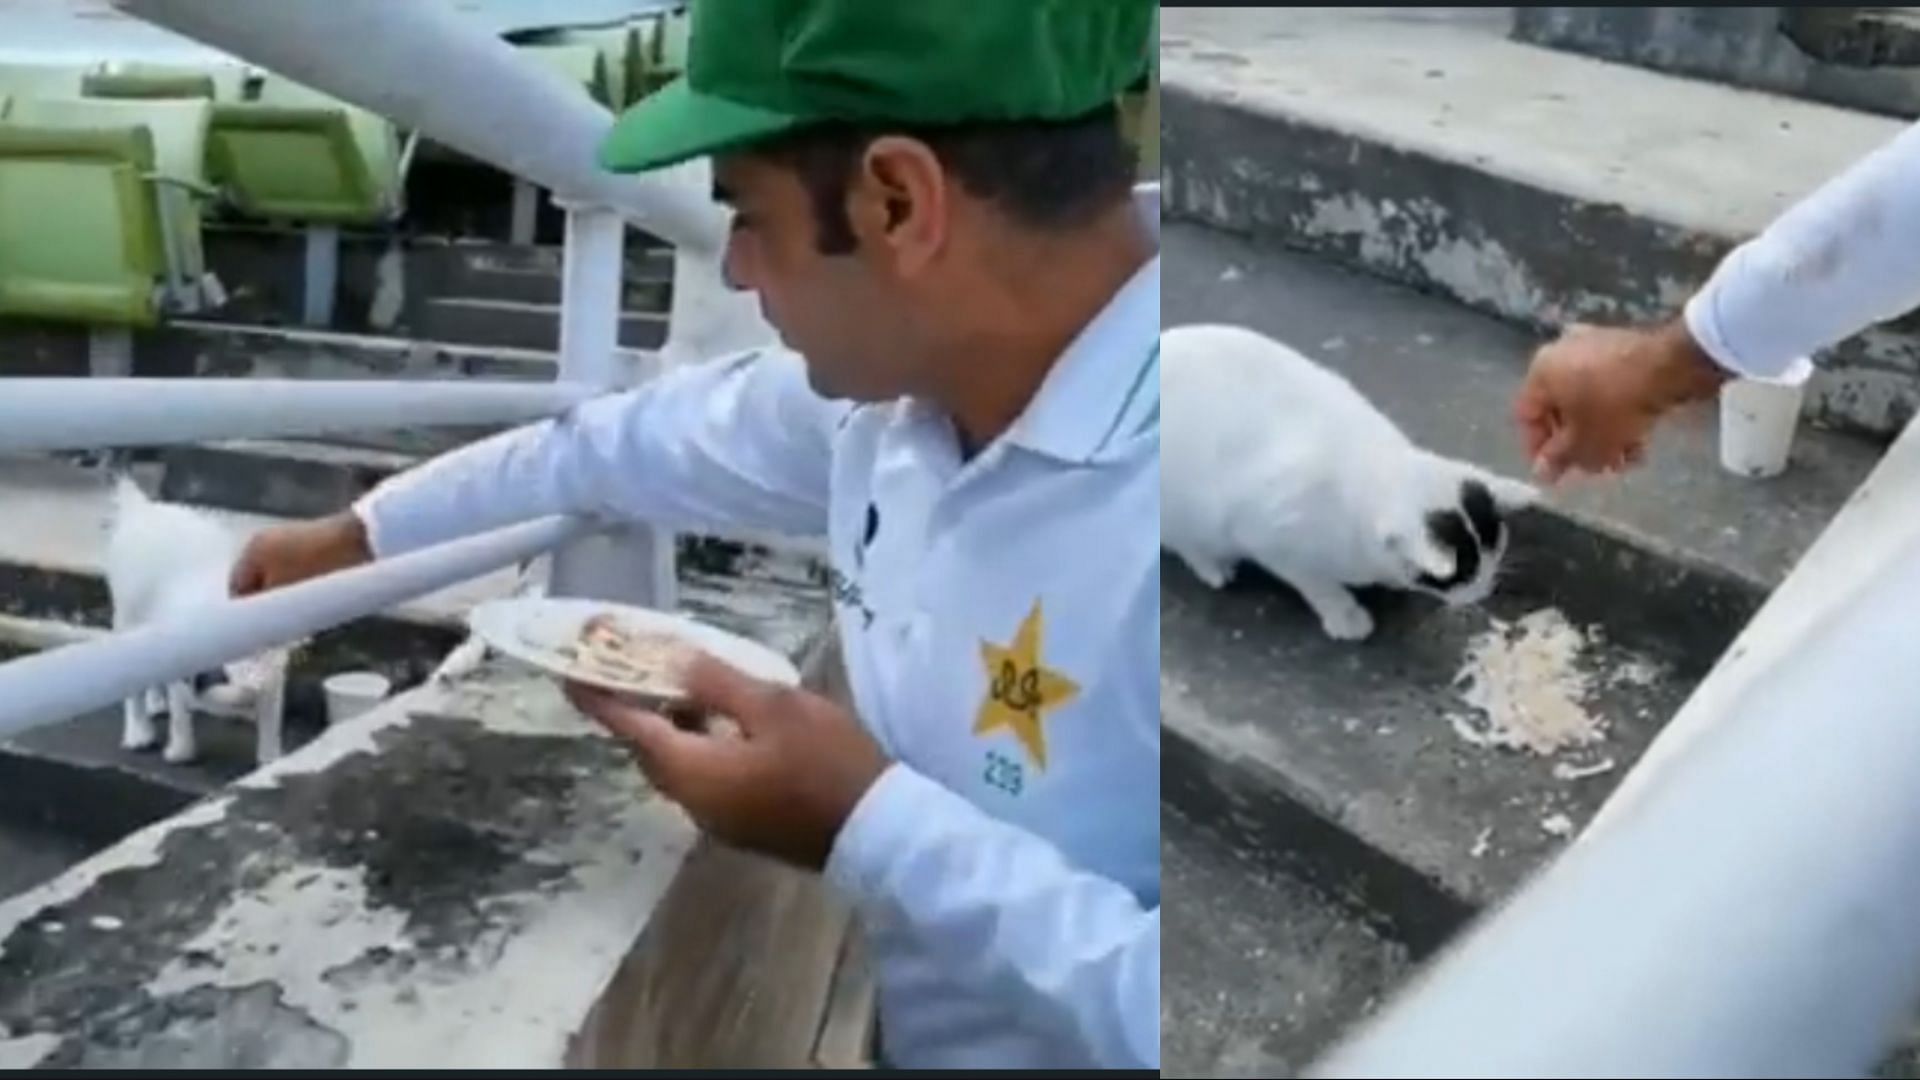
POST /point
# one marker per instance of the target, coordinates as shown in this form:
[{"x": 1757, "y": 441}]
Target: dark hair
[{"x": 1048, "y": 175}]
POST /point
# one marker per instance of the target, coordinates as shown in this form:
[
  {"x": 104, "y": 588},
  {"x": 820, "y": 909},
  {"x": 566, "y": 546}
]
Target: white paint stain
[
  {"x": 139, "y": 850},
  {"x": 26, "y": 1051}
]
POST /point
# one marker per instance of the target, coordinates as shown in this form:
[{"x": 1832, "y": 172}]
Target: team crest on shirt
[{"x": 1021, "y": 692}]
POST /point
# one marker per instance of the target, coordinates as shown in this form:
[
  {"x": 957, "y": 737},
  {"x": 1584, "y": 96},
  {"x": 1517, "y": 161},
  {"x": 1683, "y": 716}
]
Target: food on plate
[{"x": 608, "y": 650}]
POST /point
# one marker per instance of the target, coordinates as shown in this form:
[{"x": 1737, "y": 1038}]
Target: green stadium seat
[
  {"x": 99, "y": 210},
  {"x": 299, "y": 156}
]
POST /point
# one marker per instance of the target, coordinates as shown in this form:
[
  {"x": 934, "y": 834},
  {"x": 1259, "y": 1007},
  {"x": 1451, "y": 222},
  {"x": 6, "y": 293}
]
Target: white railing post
[
  {"x": 629, "y": 563},
  {"x": 96, "y": 413}
]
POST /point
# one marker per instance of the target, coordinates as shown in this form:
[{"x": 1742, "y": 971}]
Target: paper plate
[{"x": 539, "y": 630}]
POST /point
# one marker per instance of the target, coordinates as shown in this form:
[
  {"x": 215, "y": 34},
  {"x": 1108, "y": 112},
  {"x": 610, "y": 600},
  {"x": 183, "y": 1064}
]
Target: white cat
[
  {"x": 168, "y": 563},
  {"x": 1270, "y": 458}
]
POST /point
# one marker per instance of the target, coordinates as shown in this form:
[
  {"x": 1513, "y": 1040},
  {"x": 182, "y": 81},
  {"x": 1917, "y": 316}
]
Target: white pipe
[
  {"x": 591, "y": 286},
  {"x": 52, "y": 686},
  {"x": 633, "y": 564},
  {"x": 1751, "y": 915},
  {"x": 86, "y": 414},
  {"x": 423, "y": 66}
]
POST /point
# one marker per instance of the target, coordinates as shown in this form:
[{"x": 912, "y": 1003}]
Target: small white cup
[
  {"x": 1757, "y": 422},
  {"x": 353, "y": 693}
]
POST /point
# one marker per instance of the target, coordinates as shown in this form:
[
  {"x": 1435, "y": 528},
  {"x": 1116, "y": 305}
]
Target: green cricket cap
[{"x": 757, "y": 69}]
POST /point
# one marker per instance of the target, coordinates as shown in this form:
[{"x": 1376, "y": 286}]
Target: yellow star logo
[{"x": 1021, "y": 690}]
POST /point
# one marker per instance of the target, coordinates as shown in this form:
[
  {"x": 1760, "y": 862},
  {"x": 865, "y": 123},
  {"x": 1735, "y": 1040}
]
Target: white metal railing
[
  {"x": 81, "y": 414},
  {"x": 421, "y": 65},
  {"x": 51, "y": 686},
  {"x": 1750, "y": 914}
]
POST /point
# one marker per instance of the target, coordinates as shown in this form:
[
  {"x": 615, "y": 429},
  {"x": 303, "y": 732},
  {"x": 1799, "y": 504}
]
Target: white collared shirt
[
  {"x": 1001, "y": 623},
  {"x": 1841, "y": 260}
]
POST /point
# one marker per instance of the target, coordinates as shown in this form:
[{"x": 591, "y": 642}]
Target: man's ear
[{"x": 899, "y": 200}]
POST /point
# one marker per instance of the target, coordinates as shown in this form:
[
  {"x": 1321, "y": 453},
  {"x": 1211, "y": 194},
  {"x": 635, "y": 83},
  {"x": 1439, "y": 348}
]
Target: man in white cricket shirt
[{"x": 934, "y": 206}]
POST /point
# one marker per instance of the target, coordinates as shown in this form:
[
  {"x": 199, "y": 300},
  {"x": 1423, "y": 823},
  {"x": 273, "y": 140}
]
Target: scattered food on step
[
  {"x": 106, "y": 922},
  {"x": 1231, "y": 273},
  {"x": 1334, "y": 344},
  {"x": 1525, "y": 680},
  {"x": 1566, "y": 770},
  {"x": 1639, "y": 671},
  {"x": 1482, "y": 843},
  {"x": 1557, "y": 825}
]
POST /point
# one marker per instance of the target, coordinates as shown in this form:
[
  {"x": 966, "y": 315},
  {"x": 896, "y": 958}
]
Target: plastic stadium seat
[
  {"x": 301, "y": 156},
  {"x": 99, "y": 219}
]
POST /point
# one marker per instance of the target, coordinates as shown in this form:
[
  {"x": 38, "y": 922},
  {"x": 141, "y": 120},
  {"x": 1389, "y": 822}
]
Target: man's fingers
[
  {"x": 720, "y": 688},
  {"x": 668, "y": 755},
  {"x": 245, "y": 579},
  {"x": 1551, "y": 463}
]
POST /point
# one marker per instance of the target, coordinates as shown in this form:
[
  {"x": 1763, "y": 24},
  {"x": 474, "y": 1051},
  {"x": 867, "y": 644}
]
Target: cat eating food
[{"x": 1269, "y": 458}]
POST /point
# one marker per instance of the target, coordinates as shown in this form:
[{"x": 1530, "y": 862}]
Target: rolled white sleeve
[
  {"x": 1002, "y": 910},
  {"x": 1841, "y": 260},
  {"x": 740, "y": 443}
]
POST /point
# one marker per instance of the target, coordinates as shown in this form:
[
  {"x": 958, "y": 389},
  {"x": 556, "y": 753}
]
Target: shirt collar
[{"x": 1109, "y": 375}]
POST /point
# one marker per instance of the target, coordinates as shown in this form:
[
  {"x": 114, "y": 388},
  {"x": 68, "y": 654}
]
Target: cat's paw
[
  {"x": 138, "y": 737},
  {"x": 180, "y": 752},
  {"x": 1213, "y": 573},
  {"x": 1347, "y": 623}
]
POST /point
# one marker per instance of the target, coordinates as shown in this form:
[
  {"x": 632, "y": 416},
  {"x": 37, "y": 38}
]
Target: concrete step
[
  {"x": 280, "y": 478},
  {"x": 1448, "y": 375},
  {"x": 385, "y": 279},
  {"x": 187, "y": 347},
  {"x": 1536, "y": 185},
  {"x": 1344, "y": 760},
  {"x": 1261, "y": 971},
  {"x": 1858, "y": 58},
  {"x": 518, "y": 325},
  {"x": 532, "y": 276},
  {"x": 272, "y": 479}
]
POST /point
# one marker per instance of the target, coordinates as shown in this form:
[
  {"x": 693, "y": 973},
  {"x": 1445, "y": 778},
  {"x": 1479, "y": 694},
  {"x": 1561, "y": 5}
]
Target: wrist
[
  {"x": 351, "y": 540},
  {"x": 1681, "y": 372}
]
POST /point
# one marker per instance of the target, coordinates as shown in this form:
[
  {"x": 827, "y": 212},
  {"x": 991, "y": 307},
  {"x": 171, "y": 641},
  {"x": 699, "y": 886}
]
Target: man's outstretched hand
[
  {"x": 289, "y": 554},
  {"x": 783, "y": 786},
  {"x": 1592, "y": 397}
]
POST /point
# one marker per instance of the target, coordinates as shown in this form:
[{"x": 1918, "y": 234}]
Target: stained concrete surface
[{"x": 450, "y": 880}]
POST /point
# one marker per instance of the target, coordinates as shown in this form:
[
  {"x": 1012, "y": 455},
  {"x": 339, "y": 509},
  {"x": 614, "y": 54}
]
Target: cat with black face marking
[{"x": 1269, "y": 458}]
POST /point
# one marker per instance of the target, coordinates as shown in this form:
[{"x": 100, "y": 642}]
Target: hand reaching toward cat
[
  {"x": 1592, "y": 397},
  {"x": 289, "y": 554},
  {"x": 783, "y": 786}
]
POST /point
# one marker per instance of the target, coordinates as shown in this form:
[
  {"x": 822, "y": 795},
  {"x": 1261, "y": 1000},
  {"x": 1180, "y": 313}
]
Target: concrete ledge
[
  {"x": 453, "y": 881},
  {"x": 1538, "y": 186}
]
